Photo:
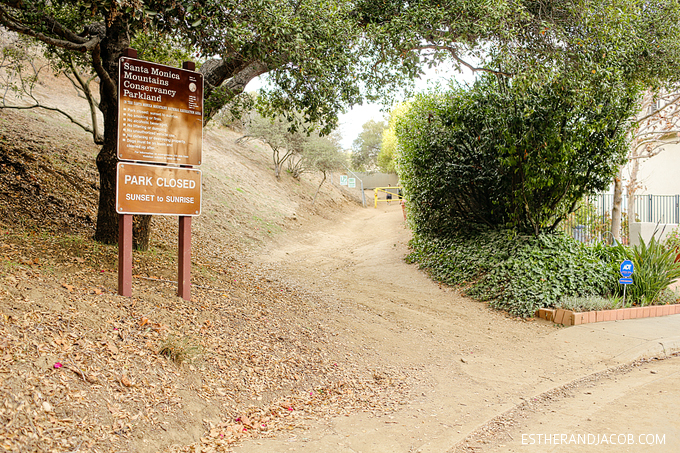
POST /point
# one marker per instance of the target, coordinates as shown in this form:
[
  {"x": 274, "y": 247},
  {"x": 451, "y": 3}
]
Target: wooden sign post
[{"x": 160, "y": 123}]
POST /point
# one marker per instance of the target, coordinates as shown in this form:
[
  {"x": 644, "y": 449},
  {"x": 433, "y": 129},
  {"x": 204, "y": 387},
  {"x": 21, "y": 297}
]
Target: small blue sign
[
  {"x": 627, "y": 268},
  {"x": 626, "y": 280}
]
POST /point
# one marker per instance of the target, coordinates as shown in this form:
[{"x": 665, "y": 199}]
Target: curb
[
  {"x": 573, "y": 318},
  {"x": 504, "y": 419},
  {"x": 661, "y": 349}
]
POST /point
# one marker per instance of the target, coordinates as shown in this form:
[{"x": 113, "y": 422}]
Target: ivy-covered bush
[
  {"x": 506, "y": 155},
  {"x": 522, "y": 273},
  {"x": 514, "y": 272}
]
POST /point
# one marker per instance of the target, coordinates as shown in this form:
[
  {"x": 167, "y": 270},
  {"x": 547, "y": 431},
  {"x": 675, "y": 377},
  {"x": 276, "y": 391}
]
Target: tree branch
[
  {"x": 84, "y": 85},
  {"x": 225, "y": 81},
  {"x": 80, "y": 44},
  {"x": 104, "y": 76},
  {"x": 454, "y": 54},
  {"x": 38, "y": 105},
  {"x": 657, "y": 113}
]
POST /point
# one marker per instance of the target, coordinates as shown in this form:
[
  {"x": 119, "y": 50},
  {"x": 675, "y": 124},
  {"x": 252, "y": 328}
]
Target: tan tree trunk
[
  {"x": 632, "y": 187},
  {"x": 616, "y": 207}
]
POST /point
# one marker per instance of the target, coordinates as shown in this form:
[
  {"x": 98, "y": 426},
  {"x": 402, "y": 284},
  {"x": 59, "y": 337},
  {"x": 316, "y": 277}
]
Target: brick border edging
[{"x": 572, "y": 318}]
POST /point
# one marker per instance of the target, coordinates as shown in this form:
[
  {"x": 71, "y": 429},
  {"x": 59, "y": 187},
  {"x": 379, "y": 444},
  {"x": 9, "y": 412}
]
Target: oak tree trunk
[
  {"x": 111, "y": 49},
  {"x": 141, "y": 232}
]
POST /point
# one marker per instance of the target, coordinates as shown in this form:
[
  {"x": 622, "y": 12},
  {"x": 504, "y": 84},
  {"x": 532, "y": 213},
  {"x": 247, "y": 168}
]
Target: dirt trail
[{"x": 469, "y": 363}]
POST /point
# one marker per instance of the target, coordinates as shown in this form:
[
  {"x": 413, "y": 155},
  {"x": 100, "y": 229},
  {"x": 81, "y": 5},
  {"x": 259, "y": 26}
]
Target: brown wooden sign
[
  {"x": 158, "y": 190},
  {"x": 160, "y": 113}
]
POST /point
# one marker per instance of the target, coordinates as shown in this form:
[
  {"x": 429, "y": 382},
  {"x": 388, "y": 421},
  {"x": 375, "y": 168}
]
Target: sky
[{"x": 351, "y": 122}]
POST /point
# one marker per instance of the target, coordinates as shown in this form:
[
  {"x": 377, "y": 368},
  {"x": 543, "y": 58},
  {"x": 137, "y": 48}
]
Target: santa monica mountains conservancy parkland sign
[
  {"x": 160, "y": 122},
  {"x": 160, "y": 115}
]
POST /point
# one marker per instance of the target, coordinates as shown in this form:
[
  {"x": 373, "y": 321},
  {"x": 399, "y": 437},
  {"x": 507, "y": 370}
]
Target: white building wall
[{"x": 660, "y": 175}]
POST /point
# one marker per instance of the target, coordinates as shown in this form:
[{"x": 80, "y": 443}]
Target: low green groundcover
[{"x": 517, "y": 273}]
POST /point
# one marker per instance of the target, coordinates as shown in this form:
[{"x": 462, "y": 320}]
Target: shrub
[
  {"x": 655, "y": 269},
  {"x": 589, "y": 303},
  {"x": 672, "y": 240},
  {"x": 667, "y": 296},
  {"x": 517, "y": 273},
  {"x": 505, "y": 155}
]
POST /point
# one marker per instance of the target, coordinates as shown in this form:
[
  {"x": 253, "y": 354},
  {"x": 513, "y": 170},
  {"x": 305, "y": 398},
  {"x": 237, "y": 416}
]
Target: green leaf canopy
[{"x": 505, "y": 155}]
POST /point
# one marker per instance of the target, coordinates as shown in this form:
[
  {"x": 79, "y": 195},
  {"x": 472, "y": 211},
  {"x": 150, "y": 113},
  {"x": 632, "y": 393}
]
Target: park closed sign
[
  {"x": 152, "y": 189},
  {"x": 160, "y": 139}
]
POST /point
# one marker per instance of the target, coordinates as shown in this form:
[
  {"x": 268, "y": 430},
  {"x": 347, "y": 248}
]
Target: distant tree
[
  {"x": 388, "y": 149},
  {"x": 388, "y": 145},
  {"x": 316, "y": 151},
  {"x": 277, "y": 133},
  {"x": 324, "y": 154},
  {"x": 366, "y": 146},
  {"x": 301, "y": 150}
]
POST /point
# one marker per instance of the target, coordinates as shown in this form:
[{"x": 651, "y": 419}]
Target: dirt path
[{"x": 467, "y": 363}]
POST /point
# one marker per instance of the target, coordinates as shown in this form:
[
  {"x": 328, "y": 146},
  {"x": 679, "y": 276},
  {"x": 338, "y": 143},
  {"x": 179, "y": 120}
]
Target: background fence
[{"x": 593, "y": 218}]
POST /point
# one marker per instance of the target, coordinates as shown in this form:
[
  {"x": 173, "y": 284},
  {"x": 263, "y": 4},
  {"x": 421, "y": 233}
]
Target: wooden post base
[
  {"x": 125, "y": 255},
  {"x": 184, "y": 258}
]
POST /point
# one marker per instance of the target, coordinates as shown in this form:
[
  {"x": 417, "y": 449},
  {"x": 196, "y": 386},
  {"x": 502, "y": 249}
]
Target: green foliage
[
  {"x": 20, "y": 74},
  {"x": 235, "y": 113},
  {"x": 152, "y": 45},
  {"x": 366, "y": 146},
  {"x": 276, "y": 133},
  {"x": 301, "y": 150},
  {"x": 517, "y": 273},
  {"x": 317, "y": 153},
  {"x": 180, "y": 349},
  {"x": 323, "y": 153},
  {"x": 594, "y": 39},
  {"x": 507, "y": 155},
  {"x": 388, "y": 147},
  {"x": 667, "y": 296},
  {"x": 672, "y": 240}
]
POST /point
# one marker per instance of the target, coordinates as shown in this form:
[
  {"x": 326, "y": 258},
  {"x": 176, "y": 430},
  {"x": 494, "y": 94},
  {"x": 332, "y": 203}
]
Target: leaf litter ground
[{"x": 83, "y": 369}]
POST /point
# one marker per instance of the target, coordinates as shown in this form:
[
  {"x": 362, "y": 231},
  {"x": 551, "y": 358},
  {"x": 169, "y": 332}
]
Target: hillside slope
[{"x": 82, "y": 368}]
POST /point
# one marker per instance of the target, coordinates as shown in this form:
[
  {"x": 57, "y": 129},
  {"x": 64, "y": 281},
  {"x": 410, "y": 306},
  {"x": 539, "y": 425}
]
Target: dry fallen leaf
[
  {"x": 68, "y": 287},
  {"x": 112, "y": 348}
]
